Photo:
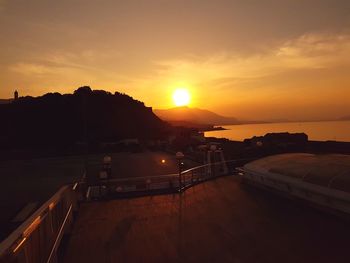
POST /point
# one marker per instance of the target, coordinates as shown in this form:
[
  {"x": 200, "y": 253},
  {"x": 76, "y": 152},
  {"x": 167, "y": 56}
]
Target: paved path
[{"x": 217, "y": 221}]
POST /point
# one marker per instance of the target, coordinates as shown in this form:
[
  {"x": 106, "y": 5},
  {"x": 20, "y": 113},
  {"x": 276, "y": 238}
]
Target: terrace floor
[
  {"x": 221, "y": 220},
  {"x": 34, "y": 181}
]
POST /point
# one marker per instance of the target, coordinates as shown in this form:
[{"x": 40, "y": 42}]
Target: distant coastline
[
  {"x": 317, "y": 131},
  {"x": 283, "y": 121},
  {"x": 214, "y": 128}
]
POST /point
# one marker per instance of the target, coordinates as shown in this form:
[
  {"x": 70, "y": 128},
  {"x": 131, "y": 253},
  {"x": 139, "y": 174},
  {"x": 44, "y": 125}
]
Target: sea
[{"x": 317, "y": 131}]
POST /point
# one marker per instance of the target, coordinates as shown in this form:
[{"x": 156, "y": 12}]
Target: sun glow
[{"x": 181, "y": 97}]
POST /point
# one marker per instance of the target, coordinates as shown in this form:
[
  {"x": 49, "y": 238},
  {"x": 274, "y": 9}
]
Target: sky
[{"x": 251, "y": 59}]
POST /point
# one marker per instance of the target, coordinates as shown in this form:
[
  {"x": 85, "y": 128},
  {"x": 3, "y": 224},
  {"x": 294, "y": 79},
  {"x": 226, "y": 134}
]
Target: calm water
[{"x": 318, "y": 131}]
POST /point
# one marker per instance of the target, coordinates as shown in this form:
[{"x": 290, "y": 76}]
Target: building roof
[{"x": 329, "y": 170}]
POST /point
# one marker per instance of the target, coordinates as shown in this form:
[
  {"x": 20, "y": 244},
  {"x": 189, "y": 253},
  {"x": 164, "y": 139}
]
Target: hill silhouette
[
  {"x": 194, "y": 115},
  {"x": 55, "y": 120},
  {"x": 5, "y": 101}
]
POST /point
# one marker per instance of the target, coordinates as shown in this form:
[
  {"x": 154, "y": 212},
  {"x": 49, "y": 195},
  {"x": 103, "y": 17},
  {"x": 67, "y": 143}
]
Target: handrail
[
  {"x": 141, "y": 177},
  {"x": 161, "y": 183},
  {"x": 216, "y": 163},
  {"x": 52, "y": 218},
  {"x": 25, "y": 226},
  {"x": 56, "y": 243},
  {"x": 176, "y": 174}
]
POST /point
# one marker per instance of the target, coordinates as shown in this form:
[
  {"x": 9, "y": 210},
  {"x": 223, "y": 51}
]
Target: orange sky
[{"x": 248, "y": 59}]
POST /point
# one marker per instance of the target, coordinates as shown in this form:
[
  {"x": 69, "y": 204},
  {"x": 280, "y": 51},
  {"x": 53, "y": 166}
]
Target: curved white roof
[{"x": 329, "y": 170}]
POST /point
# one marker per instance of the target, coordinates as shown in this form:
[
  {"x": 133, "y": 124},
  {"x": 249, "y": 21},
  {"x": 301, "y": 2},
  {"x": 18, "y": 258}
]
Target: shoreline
[
  {"x": 215, "y": 128},
  {"x": 282, "y": 122},
  {"x": 237, "y": 141},
  {"x": 338, "y": 131}
]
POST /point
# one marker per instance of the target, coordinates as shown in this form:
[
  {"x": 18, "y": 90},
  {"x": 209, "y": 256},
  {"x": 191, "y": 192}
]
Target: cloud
[
  {"x": 315, "y": 51},
  {"x": 307, "y": 52},
  {"x": 284, "y": 74},
  {"x": 64, "y": 71},
  {"x": 53, "y": 62},
  {"x": 31, "y": 68}
]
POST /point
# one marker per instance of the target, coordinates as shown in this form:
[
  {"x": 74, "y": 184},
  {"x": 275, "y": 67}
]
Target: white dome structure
[{"x": 323, "y": 178}]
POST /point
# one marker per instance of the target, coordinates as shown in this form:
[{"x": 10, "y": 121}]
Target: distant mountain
[
  {"x": 55, "y": 120},
  {"x": 194, "y": 115}
]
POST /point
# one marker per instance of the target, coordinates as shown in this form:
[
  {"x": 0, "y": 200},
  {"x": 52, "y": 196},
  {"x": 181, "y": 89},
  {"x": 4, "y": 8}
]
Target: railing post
[
  {"x": 179, "y": 157},
  {"x": 180, "y": 179}
]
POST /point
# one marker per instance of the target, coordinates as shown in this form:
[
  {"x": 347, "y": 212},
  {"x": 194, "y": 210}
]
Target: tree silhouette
[{"x": 55, "y": 120}]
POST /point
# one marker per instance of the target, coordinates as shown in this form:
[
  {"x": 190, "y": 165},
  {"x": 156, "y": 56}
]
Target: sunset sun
[{"x": 181, "y": 97}]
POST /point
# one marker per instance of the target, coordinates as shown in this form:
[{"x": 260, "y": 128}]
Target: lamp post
[
  {"x": 212, "y": 160},
  {"x": 179, "y": 157}
]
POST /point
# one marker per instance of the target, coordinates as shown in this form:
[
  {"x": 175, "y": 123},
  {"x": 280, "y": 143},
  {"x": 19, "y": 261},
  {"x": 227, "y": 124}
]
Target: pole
[
  {"x": 180, "y": 179},
  {"x": 179, "y": 157}
]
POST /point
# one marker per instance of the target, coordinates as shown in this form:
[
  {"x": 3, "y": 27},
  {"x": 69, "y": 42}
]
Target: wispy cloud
[
  {"x": 315, "y": 50},
  {"x": 31, "y": 68},
  {"x": 310, "y": 51},
  {"x": 64, "y": 71}
]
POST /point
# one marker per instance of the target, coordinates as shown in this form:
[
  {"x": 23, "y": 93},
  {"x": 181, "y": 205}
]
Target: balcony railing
[
  {"x": 163, "y": 183},
  {"x": 37, "y": 239}
]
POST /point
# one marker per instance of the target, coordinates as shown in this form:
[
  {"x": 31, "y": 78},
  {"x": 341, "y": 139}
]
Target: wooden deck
[{"x": 217, "y": 221}]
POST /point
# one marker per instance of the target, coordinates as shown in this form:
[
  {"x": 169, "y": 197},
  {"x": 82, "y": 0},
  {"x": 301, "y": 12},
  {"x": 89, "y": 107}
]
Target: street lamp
[
  {"x": 212, "y": 159},
  {"x": 179, "y": 157}
]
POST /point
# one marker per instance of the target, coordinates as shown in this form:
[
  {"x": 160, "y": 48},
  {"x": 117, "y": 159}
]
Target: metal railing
[
  {"x": 163, "y": 183},
  {"x": 37, "y": 239}
]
